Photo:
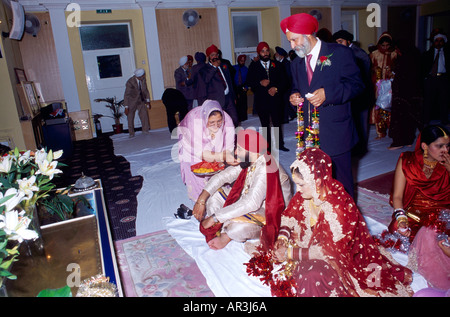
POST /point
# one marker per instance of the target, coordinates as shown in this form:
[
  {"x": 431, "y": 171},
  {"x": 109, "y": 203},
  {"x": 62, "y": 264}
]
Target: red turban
[
  {"x": 252, "y": 141},
  {"x": 301, "y": 23},
  {"x": 242, "y": 57},
  {"x": 261, "y": 45},
  {"x": 212, "y": 49}
]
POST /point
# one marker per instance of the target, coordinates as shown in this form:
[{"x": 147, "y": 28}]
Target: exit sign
[{"x": 104, "y": 11}]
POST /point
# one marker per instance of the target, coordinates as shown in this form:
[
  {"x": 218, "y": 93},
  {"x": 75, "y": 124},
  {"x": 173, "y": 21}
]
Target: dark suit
[
  {"x": 341, "y": 82},
  {"x": 269, "y": 108},
  {"x": 362, "y": 103},
  {"x": 199, "y": 85},
  {"x": 436, "y": 88},
  {"x": 184, "y": 83},
  {"x": 174, "y": 101},
  {"x": 215, "y": 89}
]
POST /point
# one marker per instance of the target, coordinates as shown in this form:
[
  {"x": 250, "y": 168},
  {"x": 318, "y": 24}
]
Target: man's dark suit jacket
[
  {"x": 214, "y": 85},
  {"x": 278, "y": 78},
  {"x": 428, "y": 60},
  {"x": 342, "y": 82}
]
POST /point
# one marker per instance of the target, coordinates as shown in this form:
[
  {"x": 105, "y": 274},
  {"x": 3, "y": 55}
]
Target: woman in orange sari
[
  {"x": 383, "y": 60},
  {"x": 324, "y": 247}
]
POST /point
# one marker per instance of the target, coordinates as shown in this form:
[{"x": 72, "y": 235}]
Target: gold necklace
[{"x": 429, "y": 164}]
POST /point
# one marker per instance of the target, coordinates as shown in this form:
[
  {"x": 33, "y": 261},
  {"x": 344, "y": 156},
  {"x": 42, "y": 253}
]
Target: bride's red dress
[{"x": 338, "y": 254}]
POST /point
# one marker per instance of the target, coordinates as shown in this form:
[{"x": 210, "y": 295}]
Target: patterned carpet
[
  {"x": 154, "y": 265},
  {"x": 95, "y": 158}
]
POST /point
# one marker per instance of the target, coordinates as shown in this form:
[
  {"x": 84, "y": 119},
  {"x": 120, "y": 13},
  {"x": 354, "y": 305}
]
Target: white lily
[
  {"x": 24, "y": 158},
  {"x": 16, "y": 225},
  {"x": 40, "y": 156},
  {"x": 47, "y": 168},
  {"x": 57, "y": 154},
  {"x": 5, "y": 164},
  {"x": 28, "y": 186},
  {"x": 14, "y": 200}
]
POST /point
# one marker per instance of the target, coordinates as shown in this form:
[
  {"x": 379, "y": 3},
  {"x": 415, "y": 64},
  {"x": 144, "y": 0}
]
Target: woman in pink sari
[
  {"x": 324, "y": 247},
  {"x": 205, "y": 134}
]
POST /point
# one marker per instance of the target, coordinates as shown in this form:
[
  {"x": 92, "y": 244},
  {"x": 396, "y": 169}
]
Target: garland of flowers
[
  {"x": 312, "y": 138},
  {"x": 281, "y": 284}
]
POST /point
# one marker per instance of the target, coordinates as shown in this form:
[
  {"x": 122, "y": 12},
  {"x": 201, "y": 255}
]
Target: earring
[{"x": 425, "y": 153}]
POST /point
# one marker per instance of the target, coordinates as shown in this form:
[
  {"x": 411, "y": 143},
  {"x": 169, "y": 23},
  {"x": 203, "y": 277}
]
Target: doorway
[{"x": 109, "y": 62}]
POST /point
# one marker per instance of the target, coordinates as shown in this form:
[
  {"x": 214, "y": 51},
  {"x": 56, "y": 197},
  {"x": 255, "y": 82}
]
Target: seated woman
[
  {"x": 205, "y": 134},
  {"x": 421, "y": 183},
  {"x": 324, "y": 247},
  {"x": 421, "y": 199}
]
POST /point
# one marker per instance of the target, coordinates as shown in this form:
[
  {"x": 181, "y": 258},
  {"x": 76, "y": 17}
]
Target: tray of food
[{"x": 207, "y": 168}]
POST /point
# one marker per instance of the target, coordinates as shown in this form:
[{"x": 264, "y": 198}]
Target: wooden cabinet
[{"x": 81, "y": 125}]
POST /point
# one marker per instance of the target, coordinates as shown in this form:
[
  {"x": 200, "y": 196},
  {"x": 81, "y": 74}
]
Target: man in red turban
[
  {"x": 217, "y": 83},
  {"x": 240, "y": 83},
  {"x": 325, "y": 77},
  {"x": 259, "y": 194},
  {"x": 269, "y": 81}
]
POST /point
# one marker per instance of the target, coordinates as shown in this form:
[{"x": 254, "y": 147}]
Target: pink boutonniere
[
  {"x": 324, "y": 61},
  {"x": 224, "y": 66},
  {"x": 273, "y": 64}
]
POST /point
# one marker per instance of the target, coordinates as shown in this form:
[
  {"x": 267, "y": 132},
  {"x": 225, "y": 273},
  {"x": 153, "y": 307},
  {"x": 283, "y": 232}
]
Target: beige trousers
[{"x": 236, "y": 230}]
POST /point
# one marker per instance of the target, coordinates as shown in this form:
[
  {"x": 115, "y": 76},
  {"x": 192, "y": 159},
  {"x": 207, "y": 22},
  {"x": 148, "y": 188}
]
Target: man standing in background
[
  {"x": 219, "y": 84},
  {"x": 268, "y": 81},
  {"x": 137, "y": 98}
]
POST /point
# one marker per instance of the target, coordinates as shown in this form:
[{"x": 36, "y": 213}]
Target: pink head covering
[{"x": 194, "y": 137}]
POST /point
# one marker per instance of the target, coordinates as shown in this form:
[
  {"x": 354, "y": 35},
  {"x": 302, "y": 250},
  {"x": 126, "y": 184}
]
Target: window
[
  {"x": 109, "y": 66},
  {"x": 99, "y": 37},
  {"x": 246, "y": 31}
]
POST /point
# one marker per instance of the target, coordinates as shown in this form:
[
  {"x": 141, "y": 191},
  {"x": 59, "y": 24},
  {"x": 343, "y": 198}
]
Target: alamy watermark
[{"x": 373, "y": 19}]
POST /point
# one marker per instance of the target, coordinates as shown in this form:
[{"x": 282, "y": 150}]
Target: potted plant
[{"x": 116, "y": 111}]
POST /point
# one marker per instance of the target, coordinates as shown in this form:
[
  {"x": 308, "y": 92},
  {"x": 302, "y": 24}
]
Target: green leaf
[
  {"x": 59, "y": 292},
  {"x": 7, "y": 274},
  {"x": 6, "y": 198}
]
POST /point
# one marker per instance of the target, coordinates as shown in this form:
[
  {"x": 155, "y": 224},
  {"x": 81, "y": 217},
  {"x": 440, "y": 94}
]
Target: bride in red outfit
[{"x": 324, "y": 247}]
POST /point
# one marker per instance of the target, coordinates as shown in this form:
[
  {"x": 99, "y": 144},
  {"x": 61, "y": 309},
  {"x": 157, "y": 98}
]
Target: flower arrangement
[{"x": 25, "y": 180}]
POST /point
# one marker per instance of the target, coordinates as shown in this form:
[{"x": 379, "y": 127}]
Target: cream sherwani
[{"x": 252, "y": 198}]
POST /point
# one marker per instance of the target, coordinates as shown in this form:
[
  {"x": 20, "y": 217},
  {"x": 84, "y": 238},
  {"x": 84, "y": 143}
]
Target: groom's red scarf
[{"x": 252, "y": 141}]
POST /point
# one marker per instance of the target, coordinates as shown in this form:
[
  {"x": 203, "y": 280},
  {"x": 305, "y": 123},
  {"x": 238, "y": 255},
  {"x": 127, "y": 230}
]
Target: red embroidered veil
[{"x": 341, "y": 235}]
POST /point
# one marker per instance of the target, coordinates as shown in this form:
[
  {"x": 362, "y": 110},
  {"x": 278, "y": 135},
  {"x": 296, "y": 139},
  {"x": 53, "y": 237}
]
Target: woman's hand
[
  {"x": 403, "y": 229},
  {"x": 230, "y": 159},
  {"x": 279, "y": 252},
  {"x": 444, "y": 248},
  {"x": 446, "y": 161}
]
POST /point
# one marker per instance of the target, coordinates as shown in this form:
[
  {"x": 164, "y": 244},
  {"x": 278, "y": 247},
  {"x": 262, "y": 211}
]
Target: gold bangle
[
  {"x": 289, "y": 252},
  {"x": 200, "y": 202}
]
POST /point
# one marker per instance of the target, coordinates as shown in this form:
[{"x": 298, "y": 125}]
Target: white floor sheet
[{"x": 154, "y": 156}]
